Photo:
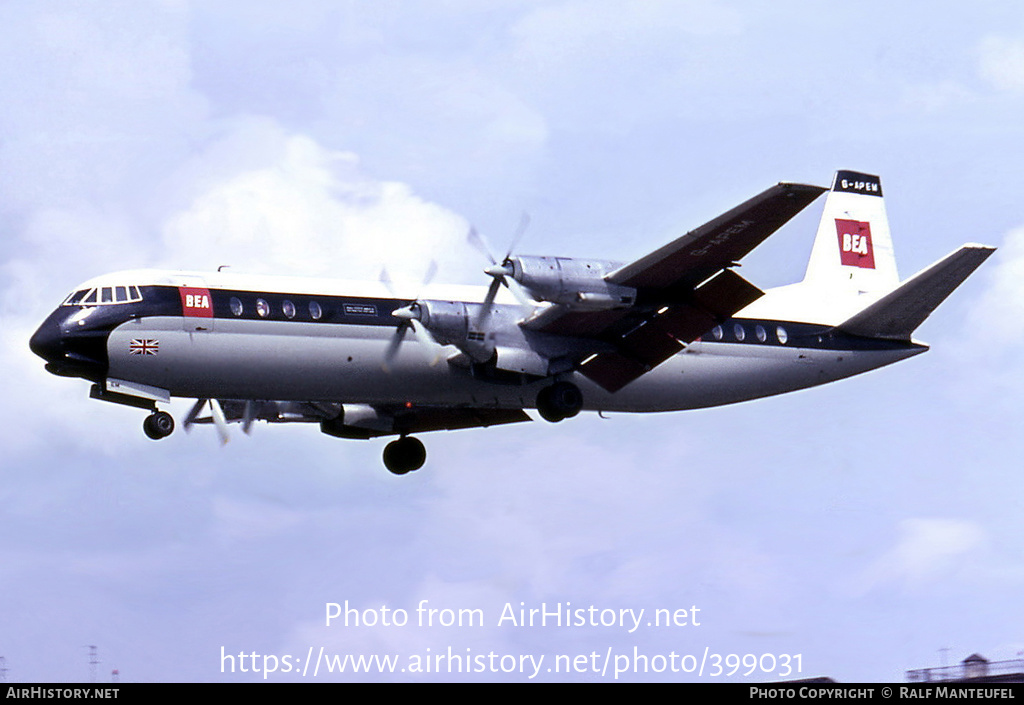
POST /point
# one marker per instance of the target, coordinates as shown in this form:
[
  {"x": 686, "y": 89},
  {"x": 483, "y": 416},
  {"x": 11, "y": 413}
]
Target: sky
[{"x": 869, "y": 526}]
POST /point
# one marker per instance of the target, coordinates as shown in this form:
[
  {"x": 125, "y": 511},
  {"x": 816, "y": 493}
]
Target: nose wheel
[
  {"x": 562, "y": 400},
  {"x": 158, "y": 425},
  {"x": 404, "y": 455}
]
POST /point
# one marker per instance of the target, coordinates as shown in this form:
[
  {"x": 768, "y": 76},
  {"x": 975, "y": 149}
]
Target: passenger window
[
  {"x": 236, "y": 306},
  {"x": 737, "y": 330},
  {"x": 762, "y": 336},
  {"x": 717, "y": 332},
  {"x": 288, "y": 308},
  {"x": 262, "y": 308},
  {"x": 315, "y": 312},
  {"x": 781, "y": 334}
]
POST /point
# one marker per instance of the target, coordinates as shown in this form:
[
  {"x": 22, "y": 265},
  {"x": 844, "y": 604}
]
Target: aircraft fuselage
[{"x": 233, "y": 343}]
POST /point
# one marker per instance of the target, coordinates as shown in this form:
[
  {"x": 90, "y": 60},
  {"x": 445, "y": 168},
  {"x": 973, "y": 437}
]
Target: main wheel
[
  {"x": 158, "y": 425},
  {"x": 562, "y": 400},
  {"x": 404, "y": 455}
]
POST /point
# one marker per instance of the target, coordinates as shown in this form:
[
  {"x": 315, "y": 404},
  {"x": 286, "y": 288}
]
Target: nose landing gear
[{"x": 158, "y": 425}]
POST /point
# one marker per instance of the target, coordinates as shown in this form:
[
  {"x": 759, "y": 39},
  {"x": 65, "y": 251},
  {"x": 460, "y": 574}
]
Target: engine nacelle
[
  {"x": 578, "y": 283},
  {"x": 449, "y": 322}
]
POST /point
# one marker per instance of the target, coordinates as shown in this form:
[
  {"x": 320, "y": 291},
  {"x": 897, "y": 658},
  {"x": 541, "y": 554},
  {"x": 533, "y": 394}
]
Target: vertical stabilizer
[{"x": 853, "y": 250}]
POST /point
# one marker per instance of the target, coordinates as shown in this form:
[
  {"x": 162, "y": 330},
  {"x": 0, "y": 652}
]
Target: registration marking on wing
[{"x": 722, "y": 237}]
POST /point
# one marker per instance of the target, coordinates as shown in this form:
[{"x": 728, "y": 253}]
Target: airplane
[{"x": 675, "y": 329}]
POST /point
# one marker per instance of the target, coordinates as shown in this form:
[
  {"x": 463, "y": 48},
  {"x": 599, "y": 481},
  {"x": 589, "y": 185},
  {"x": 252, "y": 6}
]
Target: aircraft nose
[{"x": 46, "y": 342}]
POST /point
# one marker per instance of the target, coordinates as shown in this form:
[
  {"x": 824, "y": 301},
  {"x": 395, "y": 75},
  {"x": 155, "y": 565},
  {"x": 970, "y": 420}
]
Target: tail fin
[
  {"x": 897, "y": 314},
  {"x": 853, "y": 248}
]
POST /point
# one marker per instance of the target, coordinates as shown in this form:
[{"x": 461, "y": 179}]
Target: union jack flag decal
[{"x": 143, "y": 347}]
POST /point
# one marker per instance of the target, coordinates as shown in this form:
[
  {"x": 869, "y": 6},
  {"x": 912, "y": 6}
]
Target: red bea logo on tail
[{"x": 855, "y": 247}]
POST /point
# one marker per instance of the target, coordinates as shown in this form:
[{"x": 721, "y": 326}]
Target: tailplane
[{"x": 896, "y": 315}]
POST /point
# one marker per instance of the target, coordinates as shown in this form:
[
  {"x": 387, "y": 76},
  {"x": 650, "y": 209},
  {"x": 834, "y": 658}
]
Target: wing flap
[{"x": 665, "y": 332}]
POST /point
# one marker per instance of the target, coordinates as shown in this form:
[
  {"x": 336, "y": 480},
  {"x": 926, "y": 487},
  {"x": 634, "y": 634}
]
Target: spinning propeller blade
[
  {"x": 501, "y": 272},
  {"x": 410, "y": 318},
  {"x": 219, "y": 421},
  {"x": 216, "y": 414},
  {"x": 193, "y": 414},
  {"x": 248, "y": 416}
]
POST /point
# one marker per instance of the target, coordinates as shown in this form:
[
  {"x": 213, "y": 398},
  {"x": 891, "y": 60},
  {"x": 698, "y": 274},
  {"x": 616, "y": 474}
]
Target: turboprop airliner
[{"x": 675, "y": 329}]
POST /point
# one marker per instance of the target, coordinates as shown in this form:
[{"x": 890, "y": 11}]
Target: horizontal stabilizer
[{"x": 897, "y": 314}]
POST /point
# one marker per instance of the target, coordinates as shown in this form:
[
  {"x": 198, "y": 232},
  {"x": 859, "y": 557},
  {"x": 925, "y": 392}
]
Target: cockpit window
[
  {"x": 104, "y": 296},
  {"x": 76, "y": 297}
]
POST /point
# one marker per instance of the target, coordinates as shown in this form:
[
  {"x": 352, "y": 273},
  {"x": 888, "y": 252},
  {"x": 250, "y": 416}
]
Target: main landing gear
[
  {"x": 562, "y": 400},
  {"x": 158, "y": 425},
  {"x": 404, "y": 455}
]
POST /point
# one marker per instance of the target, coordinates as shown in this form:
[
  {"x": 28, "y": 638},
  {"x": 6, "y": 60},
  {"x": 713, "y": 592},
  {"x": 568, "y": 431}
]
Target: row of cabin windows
[
  {"x": 739, "y": 333},
  {"x": 287, "y": 308},
  {"x": 103, "y": 295}
]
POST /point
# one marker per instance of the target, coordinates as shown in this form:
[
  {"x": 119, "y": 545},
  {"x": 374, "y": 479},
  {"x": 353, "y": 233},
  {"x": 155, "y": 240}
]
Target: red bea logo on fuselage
[
  {"x": 855, "y": 247},
  {"x": 196, "y": 303}
]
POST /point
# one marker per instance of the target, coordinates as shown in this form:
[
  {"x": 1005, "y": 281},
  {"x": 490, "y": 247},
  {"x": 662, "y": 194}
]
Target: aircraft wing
[
  {"x": 683, "y": 289},
  {"x": 719, "y": 243}
]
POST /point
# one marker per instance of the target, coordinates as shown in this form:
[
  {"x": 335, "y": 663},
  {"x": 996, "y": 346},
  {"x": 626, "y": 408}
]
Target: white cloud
[
  {"x": 564, "y": 30},
  {"x": 926, "y": 550},
  {"x": 306, "y": 209},
  {"x": 1000, "y": 308},
  {"x": 1001, "y": 62}
]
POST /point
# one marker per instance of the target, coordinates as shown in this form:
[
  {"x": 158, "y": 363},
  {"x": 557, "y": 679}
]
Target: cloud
[
  {"x": 1001, "y": 307},
  {"x": 103, "y": 100},
  {"x": 1001, "y": 63},
  {"x": 926, "y": 550},
  {"x": 304, "y": 209}
]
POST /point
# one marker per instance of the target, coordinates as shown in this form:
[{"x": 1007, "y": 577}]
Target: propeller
[
  {"x": 500, "y": 272},
  {"x": 410, "y": 316},
  {"x": 248, "y": 416},
  {"x": 216, "y": 413}
]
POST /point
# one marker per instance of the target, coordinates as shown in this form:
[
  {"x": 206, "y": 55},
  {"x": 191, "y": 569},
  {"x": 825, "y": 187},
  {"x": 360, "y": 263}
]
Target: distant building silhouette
[{"x": 973, "y": 669}]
